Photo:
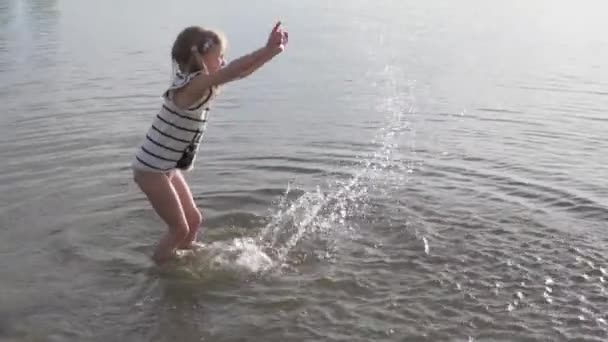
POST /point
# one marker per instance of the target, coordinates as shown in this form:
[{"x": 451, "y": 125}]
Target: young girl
[{"x": 172, "y": 141}]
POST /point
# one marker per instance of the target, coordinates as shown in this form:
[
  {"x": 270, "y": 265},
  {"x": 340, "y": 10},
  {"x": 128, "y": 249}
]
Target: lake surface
[{"x": 405, "y": 171}]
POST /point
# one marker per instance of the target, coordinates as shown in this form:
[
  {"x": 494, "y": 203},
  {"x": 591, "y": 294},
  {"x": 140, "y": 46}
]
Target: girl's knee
[{"x": 196, "y": 218}]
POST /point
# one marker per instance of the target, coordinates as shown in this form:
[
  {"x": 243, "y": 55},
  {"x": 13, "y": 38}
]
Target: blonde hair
[{"x": 203, "y": 39}]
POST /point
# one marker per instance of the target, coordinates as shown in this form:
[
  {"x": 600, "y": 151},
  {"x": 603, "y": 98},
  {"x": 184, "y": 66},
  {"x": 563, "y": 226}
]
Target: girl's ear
[
  {"x": 198, "y": 59},
  {"x": 203, "y": 66}
]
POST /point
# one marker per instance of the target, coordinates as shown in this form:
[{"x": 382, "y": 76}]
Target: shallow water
[{"x": 404, "y": 172}]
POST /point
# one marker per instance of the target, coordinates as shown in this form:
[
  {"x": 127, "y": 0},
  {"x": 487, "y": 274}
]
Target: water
[{"x": 406, "y": 171}]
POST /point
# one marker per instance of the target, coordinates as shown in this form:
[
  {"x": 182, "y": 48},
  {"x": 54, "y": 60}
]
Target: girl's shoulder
[{"x": 180, "y": 80}]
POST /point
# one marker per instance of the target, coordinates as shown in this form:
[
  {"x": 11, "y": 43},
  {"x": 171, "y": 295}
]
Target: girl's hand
[{"x": 277, "y": 39}]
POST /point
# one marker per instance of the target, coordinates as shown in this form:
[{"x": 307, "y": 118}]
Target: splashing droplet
[
  {"x": 547, "y": 297},
  {"x": 548, "y": 281},
  {"x": 426, "y": 245}
]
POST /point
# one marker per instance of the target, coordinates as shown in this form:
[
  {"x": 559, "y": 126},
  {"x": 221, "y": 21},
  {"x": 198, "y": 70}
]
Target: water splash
[
  {"x": 328, "y": 212},
  {"x": 231, "y": 258}
]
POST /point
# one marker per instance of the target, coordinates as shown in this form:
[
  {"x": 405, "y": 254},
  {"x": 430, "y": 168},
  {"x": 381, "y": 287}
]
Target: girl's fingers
[
  {"x": 276, "y": 26},
  {"x": 277, "y": 37}
]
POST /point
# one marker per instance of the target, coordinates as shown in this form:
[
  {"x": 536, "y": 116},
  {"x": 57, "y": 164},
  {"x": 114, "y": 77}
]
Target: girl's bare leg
[
  {"x": 193, "y": 214},
  {"x": 165, "y": 201}
]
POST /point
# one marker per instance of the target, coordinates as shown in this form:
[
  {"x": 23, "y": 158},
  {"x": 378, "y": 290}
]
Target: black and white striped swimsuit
[{"x": 173, "y": 139}]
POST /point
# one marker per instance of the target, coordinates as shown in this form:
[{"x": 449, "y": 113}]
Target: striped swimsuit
[{"x": 173, "y": 139}]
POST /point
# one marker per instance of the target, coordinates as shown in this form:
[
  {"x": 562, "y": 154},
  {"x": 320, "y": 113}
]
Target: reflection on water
[{"x": 29, "y": 31}]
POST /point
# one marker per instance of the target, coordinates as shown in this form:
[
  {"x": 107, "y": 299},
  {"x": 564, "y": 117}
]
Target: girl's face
[{"x": 214, "y": 59}]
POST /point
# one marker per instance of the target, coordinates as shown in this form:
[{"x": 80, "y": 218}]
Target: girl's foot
[{"x": 194, "y": 245}]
